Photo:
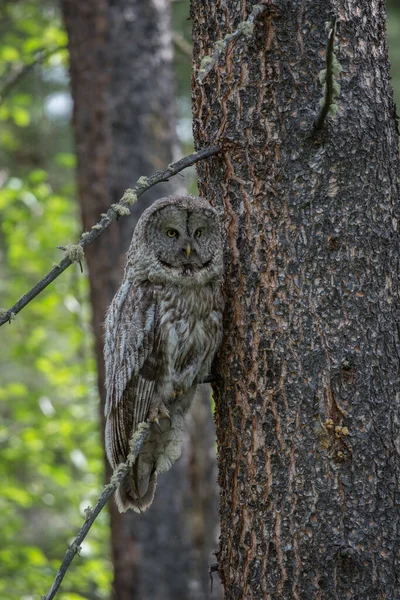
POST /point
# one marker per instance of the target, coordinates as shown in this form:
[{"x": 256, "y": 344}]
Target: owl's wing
[{"x": 130, "y": 350}]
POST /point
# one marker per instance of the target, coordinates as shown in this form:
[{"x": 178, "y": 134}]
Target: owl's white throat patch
[{"x": 187, "y": 269}]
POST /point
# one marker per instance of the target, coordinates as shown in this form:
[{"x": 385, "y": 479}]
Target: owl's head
[{"x": 179, "y": 240}]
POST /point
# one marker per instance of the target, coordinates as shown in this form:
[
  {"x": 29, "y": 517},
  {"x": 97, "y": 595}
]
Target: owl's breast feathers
[
  {"x": 157, "y": 341},
  {"x": 190, "y": 331}
]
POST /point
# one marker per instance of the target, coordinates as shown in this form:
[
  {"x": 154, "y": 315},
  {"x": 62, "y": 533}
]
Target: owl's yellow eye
[
  {"x": 171, "y": 233},
  {"x": 197, "y": 233}
]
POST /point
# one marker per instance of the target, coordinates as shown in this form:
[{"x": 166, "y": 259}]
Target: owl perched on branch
[{"x": 162, "y": 330}]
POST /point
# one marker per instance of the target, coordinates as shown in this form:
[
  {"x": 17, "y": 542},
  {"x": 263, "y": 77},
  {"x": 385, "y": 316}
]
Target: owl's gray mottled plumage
[{"x": 162, "y": 330}]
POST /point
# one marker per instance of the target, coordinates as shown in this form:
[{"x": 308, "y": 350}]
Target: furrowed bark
[{"x": 308, "y": 403}]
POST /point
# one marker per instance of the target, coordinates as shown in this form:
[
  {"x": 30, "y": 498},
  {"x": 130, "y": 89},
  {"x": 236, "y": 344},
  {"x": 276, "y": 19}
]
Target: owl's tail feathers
[
  {"x": 137, "y": 489},
  {"x": 126, "y": 496}
]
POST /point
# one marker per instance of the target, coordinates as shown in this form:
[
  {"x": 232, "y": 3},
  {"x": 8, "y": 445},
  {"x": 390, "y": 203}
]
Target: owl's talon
[
  {"x": 165, "y": 415},
  {"x": 157, "y": 422},
  {"x": 160, "y": 412}
]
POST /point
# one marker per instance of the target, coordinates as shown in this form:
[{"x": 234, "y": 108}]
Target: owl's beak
[{"x": 188, "y": 250}]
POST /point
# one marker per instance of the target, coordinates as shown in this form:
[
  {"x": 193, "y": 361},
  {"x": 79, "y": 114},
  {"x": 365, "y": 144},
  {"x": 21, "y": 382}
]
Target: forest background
[{"x": 51, "y": 457}]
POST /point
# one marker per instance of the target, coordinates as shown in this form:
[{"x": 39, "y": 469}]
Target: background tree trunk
[
  {"x": 122, "y": 85},
  {"x": 308, "y": 408}
]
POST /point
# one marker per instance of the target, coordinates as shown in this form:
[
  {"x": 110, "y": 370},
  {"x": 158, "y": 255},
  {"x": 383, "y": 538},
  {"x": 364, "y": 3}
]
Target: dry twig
[{"x": 182, "y": 44}]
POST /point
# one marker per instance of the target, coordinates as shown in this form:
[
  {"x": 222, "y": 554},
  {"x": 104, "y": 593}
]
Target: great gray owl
[{"x": 162, "y": 330}]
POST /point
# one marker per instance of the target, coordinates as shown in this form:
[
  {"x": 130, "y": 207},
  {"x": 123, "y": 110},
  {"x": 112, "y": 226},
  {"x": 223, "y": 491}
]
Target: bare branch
[
  {"x": 136, "y": 443},
  {"x": 130, "y": 196},
  {"x": 182, "y": 44},
  {"x": 331, "y": 88},
  {"x": 23, "y": 70}
]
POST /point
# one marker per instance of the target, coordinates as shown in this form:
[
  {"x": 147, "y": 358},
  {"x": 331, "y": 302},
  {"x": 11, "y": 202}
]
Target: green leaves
[{"x": 51, "y": 464}]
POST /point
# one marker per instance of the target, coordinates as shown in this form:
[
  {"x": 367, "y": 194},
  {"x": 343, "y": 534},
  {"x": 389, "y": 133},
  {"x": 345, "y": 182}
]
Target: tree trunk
[
  {"x": 308, "y": 404},
  {"x": 122, "y": 86}
]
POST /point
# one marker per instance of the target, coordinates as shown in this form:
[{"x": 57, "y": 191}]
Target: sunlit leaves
[
  {"x": 9, "y": 54},
  {"x": 50, "y": 443},
  {"x": 65, "y": 159}
]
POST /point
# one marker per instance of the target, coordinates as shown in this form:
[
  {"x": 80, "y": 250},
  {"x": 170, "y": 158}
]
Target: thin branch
[
  {"x": 136, "y": 444},
  {"x": 74, "y": 253},
  {"x": 182, "y": 44},
  {"x": 245, "y": 28},
  {"x": 122, "y": 470},
  {"x": 23, "y": 70},
  {"x": 329, "y": 79}
]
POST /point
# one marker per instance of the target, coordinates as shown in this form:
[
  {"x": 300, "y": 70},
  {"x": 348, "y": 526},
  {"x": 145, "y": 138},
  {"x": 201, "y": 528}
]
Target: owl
[{"x": 162, "y": 330}]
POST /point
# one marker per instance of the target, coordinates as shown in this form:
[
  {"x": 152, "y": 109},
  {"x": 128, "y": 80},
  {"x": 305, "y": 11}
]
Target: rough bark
[
  {"x": 308, "y": 403},
  {"x": 122, "y": 86}
]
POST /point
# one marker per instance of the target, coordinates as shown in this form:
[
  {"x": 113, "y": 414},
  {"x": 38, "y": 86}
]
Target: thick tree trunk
[
  {"x": 122, "y": 86},
  {"x": 308, "y": 406}
]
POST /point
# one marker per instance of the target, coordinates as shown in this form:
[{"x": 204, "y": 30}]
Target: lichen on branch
[
  {"x": 75, "y": 252},
  {"x": 245, "y": 29},
  {"x": 135, "y": 445}
]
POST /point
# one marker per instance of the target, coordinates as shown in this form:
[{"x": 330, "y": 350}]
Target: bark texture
[
  {"x": 308, "y": 404},
  {"x": 124, "y": 121}
]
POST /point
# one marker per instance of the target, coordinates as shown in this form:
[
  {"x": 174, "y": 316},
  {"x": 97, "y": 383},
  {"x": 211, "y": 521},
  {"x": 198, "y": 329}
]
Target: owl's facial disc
[{"x": 186, "y": 240}]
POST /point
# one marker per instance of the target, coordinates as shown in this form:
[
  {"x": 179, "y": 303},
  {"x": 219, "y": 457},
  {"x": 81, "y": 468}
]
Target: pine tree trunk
[
  {"x": 308, "y": 403},
  {"x": 122, "y": 86}
]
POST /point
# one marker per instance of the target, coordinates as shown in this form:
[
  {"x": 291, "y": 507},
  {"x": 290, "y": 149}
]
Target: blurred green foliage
[
  {"x": 393, "y": 37},
  {"x": 51, "y": 453},
  {"x": 51, "y": 465}
]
